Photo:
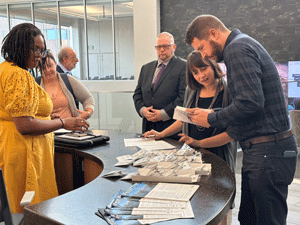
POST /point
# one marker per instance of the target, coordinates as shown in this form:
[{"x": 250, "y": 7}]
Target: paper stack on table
[{"x": 148, "y": 204}]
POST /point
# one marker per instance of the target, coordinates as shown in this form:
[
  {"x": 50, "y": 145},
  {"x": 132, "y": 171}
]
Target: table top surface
[{"x": 210, "y": 203}]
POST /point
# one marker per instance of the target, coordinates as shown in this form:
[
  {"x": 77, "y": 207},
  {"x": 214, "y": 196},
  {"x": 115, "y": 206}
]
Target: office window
[
  {"x": 72, "y": 31},
  {"x": 104, "y": 47},
  {"x": 20, "y": 14},
  {"x": 100, "y": 40},
  {"x": 124, "y": 39},
  {"x": 46, "y": 20}
]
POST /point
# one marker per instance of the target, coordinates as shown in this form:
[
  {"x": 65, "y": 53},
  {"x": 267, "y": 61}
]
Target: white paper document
[
  {"x": 145, "y": 202},
  {"x": 182, "y": 115},
  {"x": 159, "y": 145},
  {"x": 170, "y": 191},
  {"x": 148, "y": 143},
  {"x": 165, "y": 213},
  {"x": 129, "y": 142}
]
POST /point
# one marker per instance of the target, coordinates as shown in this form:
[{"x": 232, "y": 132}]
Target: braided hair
[{"x": 18, "y": 43}]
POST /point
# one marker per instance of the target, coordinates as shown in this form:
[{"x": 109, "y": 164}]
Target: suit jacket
[
  {"x": 59, "y": 69},
  {"x": 169, "y": 91}
]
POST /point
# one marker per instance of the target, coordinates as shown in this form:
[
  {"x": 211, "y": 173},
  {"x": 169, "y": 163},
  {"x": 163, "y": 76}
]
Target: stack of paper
[
  {"x": 182, "y": 115},
  {"x": 148, "y": 204}
]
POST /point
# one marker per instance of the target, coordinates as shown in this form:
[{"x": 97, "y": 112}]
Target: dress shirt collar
[
  {"x": 63, "y": 68},
  {"x": 166, "y": 63}
]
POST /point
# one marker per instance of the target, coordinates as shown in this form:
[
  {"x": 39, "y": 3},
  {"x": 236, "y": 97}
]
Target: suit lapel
[{"x": 171, "y": 64}]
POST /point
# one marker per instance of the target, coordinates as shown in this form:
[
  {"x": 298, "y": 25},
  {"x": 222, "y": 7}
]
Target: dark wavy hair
[
  {"x": 195, "y": 59},
  {"x": 18, "y": 43}
]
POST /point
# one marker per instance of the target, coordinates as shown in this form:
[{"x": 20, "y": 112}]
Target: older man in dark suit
[{"x": 161, "y": 86}]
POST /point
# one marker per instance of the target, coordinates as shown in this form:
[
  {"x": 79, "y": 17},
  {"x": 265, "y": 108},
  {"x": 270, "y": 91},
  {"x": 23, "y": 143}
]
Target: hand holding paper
[{"x": 199, "y": 116}]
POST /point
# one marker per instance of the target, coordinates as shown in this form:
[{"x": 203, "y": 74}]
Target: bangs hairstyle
[
  {"x": 18, "y": 44},
  {"x": 195, "y": 60},
  {"x": 44, "y": 63}
]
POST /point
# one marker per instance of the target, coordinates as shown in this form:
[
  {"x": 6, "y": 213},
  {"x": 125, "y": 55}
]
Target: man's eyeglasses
[
  {"x": 42, "y": 52},
  {"x": 165, "y": 47}
]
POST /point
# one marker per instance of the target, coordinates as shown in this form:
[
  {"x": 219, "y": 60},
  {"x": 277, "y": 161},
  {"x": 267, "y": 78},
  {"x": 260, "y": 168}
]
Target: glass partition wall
[{"x": 100, "y": 31}]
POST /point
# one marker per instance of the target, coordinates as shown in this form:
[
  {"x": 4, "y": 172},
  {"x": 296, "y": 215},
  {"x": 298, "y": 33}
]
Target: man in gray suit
[{"x": 161, "y": 86}]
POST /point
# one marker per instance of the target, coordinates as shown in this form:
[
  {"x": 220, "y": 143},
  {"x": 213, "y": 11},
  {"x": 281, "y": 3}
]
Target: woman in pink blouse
[{"x": 63, "y": 100}]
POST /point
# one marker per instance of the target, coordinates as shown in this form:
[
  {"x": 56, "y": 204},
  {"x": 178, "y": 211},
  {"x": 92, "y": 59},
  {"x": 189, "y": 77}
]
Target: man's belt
[{"x": 268, "y": 138}]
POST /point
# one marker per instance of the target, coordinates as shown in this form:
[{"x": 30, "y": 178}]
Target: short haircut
[
  {"x": 200, "y": 26},
  {"x": 168, "y": 35},
  {"x": 19, "y": 43},
  {"x": 195, "y": 60},
  {"x": 43, "y": 64},
  {"x": 64, "y": 52}
]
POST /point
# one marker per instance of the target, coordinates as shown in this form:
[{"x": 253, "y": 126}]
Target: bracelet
[
  {"x": 62, "y": 122},
  {"x": 88, "y": 113}
]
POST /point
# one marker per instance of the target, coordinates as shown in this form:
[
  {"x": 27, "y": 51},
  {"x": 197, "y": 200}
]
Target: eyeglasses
[
  {"x": 42, "y": 52},
  {"x": 165, "y": 47}
]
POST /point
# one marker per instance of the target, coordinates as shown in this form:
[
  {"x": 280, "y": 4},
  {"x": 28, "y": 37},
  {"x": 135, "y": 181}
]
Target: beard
[{"x": 217, "y": 53}]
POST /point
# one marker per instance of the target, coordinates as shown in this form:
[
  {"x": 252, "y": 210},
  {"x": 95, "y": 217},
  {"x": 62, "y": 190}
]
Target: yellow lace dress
[{"x": 27, "y": 161}]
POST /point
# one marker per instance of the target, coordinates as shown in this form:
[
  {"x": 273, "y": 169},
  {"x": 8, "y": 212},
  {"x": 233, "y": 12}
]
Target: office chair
[{"x": 6, "y": 217}]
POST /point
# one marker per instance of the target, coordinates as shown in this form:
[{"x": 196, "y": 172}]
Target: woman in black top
[{"x": 206, "y": 89}]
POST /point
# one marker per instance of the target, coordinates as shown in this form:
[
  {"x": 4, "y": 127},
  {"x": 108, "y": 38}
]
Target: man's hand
[
  {"x": 151, "y": 114},
  {"x": 199, "y": 116}
]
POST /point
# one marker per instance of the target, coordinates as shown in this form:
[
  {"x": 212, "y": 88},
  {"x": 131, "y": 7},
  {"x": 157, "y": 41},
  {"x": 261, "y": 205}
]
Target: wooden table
[{"x": 80, "y": 170}]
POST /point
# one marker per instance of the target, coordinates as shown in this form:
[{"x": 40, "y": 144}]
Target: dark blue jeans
[{"x": 266, "y": 174}]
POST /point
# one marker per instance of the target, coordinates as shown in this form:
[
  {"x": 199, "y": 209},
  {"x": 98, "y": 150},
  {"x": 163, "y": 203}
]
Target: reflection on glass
[
  {"x": 46, "y": 21},
  {"x": 112, "y": 115},
  {"x": 124, "y": 39},
  {"x": 100, "y": 40},
  {"x": 106, "y": 46},
  {"x": 72, "y": 32}
]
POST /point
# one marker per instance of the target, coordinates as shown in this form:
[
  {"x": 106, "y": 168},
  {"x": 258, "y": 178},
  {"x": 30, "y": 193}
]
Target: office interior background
[{"x": 114, "y": 38}]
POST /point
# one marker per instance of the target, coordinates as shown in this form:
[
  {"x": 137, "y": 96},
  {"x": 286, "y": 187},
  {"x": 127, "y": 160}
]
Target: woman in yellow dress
[{"x": 26, "y": 141}]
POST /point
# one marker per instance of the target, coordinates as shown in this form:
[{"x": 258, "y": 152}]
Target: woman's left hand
[{"x": 189, "y": 141}]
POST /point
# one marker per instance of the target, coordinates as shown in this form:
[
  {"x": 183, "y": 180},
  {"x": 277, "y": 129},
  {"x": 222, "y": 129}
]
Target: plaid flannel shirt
[{"x": 258, "y": 105}]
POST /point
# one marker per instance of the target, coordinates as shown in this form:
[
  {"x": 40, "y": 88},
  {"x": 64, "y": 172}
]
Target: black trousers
[{"x": 266, "y": 174}]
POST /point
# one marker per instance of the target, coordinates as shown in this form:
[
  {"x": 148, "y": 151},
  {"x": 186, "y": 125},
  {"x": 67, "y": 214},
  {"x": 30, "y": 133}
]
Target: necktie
[
  {"x": 69, "y": 73},
  {"x": 163, "y": 66}
]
